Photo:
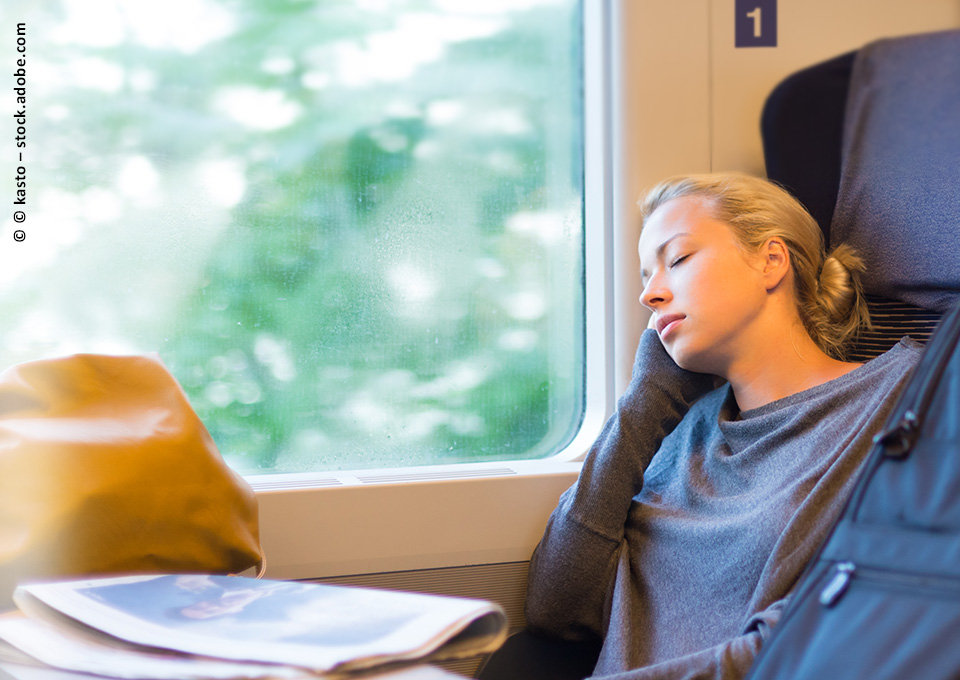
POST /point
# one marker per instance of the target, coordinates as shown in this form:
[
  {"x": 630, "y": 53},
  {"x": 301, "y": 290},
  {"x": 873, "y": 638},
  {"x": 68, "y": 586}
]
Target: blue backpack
[{"x": 882, "y": 598}]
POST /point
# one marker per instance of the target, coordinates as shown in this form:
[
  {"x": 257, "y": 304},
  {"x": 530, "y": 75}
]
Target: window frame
[{"x": 324, "y": 524}]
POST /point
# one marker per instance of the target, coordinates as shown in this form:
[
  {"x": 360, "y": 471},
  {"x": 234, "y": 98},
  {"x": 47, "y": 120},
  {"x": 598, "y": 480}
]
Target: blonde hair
[{"x": 828, "y": 291}]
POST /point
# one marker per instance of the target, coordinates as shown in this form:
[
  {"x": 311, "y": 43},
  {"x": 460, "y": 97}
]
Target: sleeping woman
[{"x": 698, "y": 507}]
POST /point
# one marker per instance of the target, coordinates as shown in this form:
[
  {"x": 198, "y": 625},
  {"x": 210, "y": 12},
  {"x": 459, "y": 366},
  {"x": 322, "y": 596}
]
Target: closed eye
[{"x": 677, "y": 261}]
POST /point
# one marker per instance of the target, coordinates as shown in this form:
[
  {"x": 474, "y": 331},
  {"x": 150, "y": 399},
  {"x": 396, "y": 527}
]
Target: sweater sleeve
[
  {"x": 730, "y": 660},
  {"x": 575, "y": 563}
]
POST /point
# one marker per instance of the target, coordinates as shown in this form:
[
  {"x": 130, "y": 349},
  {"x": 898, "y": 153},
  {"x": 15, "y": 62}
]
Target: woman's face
[{"x": 706, "y": 293}]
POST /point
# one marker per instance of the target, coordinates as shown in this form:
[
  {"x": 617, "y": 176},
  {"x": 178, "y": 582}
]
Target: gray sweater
[{"x": 682, "y": 560}]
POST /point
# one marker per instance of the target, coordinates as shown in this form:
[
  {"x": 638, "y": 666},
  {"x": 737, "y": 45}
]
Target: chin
[
  {"x": 681, "y": 359},
  {"x": 689, "y": 360}
]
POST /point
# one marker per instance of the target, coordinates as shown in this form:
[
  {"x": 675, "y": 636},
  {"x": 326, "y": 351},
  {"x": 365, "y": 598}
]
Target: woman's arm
[
  {"x": 574, "y": 564},
  {"x": 727, "y": 661}
]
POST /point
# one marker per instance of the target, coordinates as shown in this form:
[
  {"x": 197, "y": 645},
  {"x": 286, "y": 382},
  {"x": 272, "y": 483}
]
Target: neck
[{"x": 774, "y": 370}]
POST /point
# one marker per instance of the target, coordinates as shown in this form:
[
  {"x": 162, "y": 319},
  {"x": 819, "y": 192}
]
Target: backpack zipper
[
  {"x": 898, "y": 440},
  {"x": 837, "y": 586},
  {"x": 845, "y": 572}
]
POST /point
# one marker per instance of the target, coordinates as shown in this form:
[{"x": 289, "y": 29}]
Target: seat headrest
[
  {"x": 899, "y": 197},
  {"x": 802, "y": 129}
]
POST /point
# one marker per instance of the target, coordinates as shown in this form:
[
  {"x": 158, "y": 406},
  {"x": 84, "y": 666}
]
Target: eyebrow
[{"x": 660, "y": 248}]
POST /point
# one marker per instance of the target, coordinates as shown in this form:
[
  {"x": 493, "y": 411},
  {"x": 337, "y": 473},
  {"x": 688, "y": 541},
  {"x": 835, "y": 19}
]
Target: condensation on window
[{"x": 352, "y": 230}]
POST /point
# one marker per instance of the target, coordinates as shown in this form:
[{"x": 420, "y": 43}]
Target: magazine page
[
  {"x": 318, "y": 627},
  {"x": 10, "y": 653},
  {"x": 50, "y": 646},
  {"x": 15, "y": 671}
]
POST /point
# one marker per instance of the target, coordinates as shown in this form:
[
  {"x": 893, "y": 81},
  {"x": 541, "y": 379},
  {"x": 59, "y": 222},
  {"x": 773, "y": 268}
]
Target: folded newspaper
[{"x": 194, "y": 627}]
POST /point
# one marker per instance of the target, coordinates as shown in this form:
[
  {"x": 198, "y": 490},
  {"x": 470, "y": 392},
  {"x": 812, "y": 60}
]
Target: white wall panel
[{"x": 809, "y": 32}]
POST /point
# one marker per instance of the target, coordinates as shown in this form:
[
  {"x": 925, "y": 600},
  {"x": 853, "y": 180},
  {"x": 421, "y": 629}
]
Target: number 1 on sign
[{"x": 755, "y": 15}]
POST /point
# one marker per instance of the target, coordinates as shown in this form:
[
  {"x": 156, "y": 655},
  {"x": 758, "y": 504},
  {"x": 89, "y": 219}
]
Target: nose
[{"x": 655, "y": 293}]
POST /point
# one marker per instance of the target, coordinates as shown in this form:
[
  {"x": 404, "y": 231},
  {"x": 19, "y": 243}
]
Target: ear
[{"x": 776, "y": 262}]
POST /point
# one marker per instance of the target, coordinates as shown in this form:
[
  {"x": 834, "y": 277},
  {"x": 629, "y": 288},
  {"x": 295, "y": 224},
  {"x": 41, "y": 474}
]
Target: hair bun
[{"x": 838, "y": 285}]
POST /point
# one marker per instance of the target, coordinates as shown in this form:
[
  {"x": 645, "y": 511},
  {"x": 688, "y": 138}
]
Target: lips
[{"x": 667, "y": 322}]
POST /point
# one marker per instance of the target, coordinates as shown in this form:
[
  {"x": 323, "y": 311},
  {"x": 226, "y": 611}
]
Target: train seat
[{"x": 870, "y": 142}]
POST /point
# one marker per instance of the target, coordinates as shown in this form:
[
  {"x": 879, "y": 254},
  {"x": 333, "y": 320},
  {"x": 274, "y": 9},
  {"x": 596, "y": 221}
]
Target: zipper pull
[
  {"x": 899, "y": 439},
  {"x": 838, "y": 584}
]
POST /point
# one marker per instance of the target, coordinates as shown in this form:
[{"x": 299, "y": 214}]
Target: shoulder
[
  {"x": 910, "y": 345},
  {"x": 902, "y": 356},
  {"x": 885, "y": 374}
]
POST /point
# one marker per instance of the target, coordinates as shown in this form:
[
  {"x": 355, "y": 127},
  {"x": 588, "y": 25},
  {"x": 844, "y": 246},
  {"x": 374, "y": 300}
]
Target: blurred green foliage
[{"x": 354, "y": 234}]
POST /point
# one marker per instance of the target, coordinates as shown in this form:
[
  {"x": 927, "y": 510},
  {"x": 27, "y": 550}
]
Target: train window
[{"x": 352, "y": 230}]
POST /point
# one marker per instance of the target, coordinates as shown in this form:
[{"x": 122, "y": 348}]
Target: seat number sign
[{"x": 756, "y": 23}]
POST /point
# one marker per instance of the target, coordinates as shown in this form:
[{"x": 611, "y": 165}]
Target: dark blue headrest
[
  {"x": 802, "y": 127},
  {"x": 899, "y": 197}
]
